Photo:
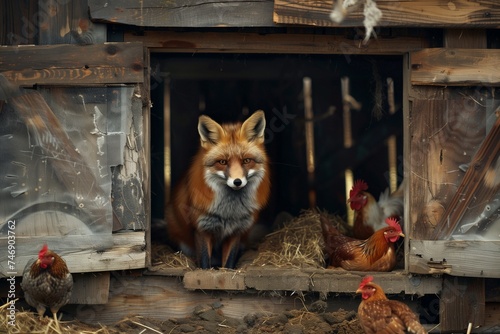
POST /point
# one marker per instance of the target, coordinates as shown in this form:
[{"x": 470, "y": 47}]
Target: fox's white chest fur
[{"x": 232, "y": 210}]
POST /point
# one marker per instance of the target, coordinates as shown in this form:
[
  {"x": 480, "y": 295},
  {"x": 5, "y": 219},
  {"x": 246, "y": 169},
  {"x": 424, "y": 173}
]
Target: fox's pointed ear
[
  {"x": 210, "y": 131},
  {"x": 254, "y": 127}
]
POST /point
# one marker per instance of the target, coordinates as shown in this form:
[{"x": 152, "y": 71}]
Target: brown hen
[
  {"x": 379, "y": 315},
  {"x": 376, "y": 253}
]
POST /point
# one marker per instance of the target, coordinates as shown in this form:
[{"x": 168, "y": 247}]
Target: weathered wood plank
[
  {"x": 275, "y": 43},
  {"x": 455, "y": 67},
  {"x": 416, "y": 13},
  {"x": 18, "y": 22},
  {"x": 328, "y": 280},
  {"x": 214, "y": 280},
  {"x": 478, "y": 258},
  {"x": 72, "y": 65},
  {"x": 181, "y": 13},
  {"x": 300, "y": 280},
  {"x": 127, "y": 252},
  {"x": 165, "y": 297},
  {"x": 444, "y": 136},
  {"x": 90, "y": 288},
  {"x": 462, "y": 302}
]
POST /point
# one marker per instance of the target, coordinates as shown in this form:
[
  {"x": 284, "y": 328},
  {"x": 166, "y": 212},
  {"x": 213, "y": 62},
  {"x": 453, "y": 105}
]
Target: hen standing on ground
[
  {"x": 377, "y": 314},
  {"x": 370, "y": 214},
  {"x": 47, "y": 282},
  {"x": 376, "y": 253}
]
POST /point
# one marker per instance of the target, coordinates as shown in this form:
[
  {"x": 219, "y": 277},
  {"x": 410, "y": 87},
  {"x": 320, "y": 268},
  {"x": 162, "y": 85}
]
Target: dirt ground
[{"x": 209, "y": 319}]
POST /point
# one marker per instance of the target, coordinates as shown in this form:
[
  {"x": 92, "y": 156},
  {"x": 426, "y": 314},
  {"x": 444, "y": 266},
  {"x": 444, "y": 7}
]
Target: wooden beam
[
  {"x": 455, "y": 67},
  {"x": 472, "y": 258},
  {"x": 181, "y": 13},
  {"x": 127, "y": 252},
  {"x": 416, "y": 13},
  {"x": 300, "y": 280},
  {"x": 169, "y": 41},
  {"x": 109, "y": 63},
  {"x": 165, "y": 297}
]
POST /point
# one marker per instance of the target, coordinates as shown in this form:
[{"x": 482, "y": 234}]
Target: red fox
[{"x": 227, "y": 184}]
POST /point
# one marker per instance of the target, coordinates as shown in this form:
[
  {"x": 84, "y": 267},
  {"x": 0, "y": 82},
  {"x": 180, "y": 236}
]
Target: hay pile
[
  {"x": 167, "y": 258},
  {"x": 298, "y": 244}
]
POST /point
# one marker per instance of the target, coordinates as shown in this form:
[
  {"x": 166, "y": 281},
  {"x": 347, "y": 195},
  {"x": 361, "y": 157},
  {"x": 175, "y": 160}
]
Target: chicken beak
[
  {"x": 358, "y": 291},
  {"x": 401, "y": 235}
]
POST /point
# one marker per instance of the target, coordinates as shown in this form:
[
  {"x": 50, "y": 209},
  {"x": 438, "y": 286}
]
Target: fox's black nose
[{"x": 237, "y": 182}]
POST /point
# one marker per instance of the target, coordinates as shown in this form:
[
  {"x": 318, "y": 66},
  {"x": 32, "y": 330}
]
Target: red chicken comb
[
  {"x": 43, "y": 251},
  {"x": 393, "y": 222},
  {"x": 365, "y": 281},
  {"x": 359, "y": 185}
]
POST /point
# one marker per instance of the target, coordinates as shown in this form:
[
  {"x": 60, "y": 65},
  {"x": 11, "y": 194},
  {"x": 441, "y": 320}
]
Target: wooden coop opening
[{"x": 331, "y": 119}]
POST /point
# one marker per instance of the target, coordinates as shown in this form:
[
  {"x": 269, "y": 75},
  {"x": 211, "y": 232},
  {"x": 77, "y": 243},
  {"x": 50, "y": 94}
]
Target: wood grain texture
[
  {"x": 181, "y": 13},
  {"x": 445, "y": 134},
  {"x": 300, "y": 280},
  {"x": 465, "y": 39},
  {"x": 416, "y": 13},
  {"x": 455, "y": 67},
  {"x": 165, "y": 297},
  {"x": 273, "y": 43},
  {"x": 73, "y": 64},
  {"x": 90, "y": 288},
  {"x": 462, "y": 302},
  {"x": 469, "y": 258},
  {"x": 214, "y": 280}
]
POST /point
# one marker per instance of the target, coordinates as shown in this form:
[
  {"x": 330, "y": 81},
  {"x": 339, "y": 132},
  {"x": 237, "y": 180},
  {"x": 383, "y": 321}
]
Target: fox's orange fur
[{"x": 218, "y": 201}]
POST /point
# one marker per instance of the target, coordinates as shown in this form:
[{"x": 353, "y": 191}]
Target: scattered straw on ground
[
  {"x": 29, "y": 322},
  {"x": 165, "y": 256},
  {"x": 298, "y": 244}
]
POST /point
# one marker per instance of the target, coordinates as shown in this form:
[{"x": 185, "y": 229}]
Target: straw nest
[
  {"x": 298, "y": 244},
  {"x": 168, "y": 258}
]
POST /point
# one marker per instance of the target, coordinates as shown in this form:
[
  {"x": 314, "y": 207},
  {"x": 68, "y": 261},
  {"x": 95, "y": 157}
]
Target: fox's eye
[
  {"x": 222, "y": 162},
  {"x": 247, "y": 160}
]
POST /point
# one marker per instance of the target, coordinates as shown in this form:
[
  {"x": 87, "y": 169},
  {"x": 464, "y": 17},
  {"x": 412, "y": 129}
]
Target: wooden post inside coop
[
  {"x": 309, "y": 129},
  {"x": 348, "y": 103},
  {"x": 391, "y": 141},
  {"x": 167, "y": 162}
]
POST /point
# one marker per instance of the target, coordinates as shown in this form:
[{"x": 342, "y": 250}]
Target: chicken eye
[
  {"x": 222, "y": 162},
  {"x": 247, "y": 161}
]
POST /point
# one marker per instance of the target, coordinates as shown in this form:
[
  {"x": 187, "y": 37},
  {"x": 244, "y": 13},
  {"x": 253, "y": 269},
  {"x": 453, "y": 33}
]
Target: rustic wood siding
[
  {"x": 416, "y": 13},
  {"x": 180, "y": 13}
]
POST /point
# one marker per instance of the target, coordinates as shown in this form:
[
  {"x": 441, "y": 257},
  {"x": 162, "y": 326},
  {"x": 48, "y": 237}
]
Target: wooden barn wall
[
  {"x": 455, "y": 143},
  {"x": 111, "y": 64},
  {"x": 396, "y": 13},
  {"x": 268, "y": 13},
  {"x": 68, "y": 23}
]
